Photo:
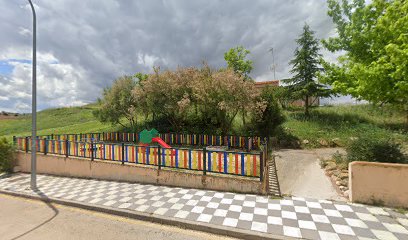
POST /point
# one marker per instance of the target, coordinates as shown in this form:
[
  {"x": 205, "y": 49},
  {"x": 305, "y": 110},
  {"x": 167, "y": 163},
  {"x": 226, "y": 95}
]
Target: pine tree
[{"x": 305, "y": 67}]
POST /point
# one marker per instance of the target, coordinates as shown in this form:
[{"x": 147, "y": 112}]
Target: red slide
[{"x": 161, "y": 142}]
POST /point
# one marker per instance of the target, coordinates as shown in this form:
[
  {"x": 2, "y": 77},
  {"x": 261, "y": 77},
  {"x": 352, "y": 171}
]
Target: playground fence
[
  {"x": 245, "y": 142},
  {"x": 203, "y": 160}
]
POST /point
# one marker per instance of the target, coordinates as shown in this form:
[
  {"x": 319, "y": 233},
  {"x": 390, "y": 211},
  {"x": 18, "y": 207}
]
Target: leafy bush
[
  {"x": 267, "y": 114},
  {"x": 340, "y": 160},
  {"x": 6, "y": 156},
  {"x": 375, "y": 150}
]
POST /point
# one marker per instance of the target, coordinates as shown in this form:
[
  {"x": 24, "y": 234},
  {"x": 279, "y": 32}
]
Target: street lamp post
[{"x": 34, "y": 105}]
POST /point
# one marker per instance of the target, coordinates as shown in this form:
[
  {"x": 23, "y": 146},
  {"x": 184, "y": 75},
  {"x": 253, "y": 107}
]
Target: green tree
[
  {"x": 236, "y": 60},
  {"x": 221, "y": 95},
  {"x": 167, "y": 95},
  {"x": 374, "y": 40},
  {"x": 118, "y": 103},
  {"x": 305, "y": 67}
]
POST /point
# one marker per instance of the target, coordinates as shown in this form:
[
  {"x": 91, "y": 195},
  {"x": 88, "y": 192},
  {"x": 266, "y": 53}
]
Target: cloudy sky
[{"x": 84, "y": 45}]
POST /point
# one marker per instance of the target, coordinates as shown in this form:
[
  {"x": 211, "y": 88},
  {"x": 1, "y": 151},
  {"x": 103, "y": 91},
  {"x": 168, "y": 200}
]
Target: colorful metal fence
[
  {"x": 204, "y": 160},
  {"x": 248, "y": 143}
]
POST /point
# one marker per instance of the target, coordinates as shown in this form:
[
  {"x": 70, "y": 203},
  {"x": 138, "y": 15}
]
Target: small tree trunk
[
  {"x": 406, "y": 120},
  {"x": 243, "y": 117},
  {"x": 307, "y": 106}
]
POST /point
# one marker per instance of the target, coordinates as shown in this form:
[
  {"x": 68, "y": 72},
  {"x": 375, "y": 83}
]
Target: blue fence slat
[
  {"x": 137, "y": 154},
  {"x": 113, "y": 152},
  {"x": 242, "y": 164},
  {"x": 209, "y": 161},
  {"x": 147, "y": 152},
  {"x": 177, "y": 162},
  {"x": 163, "y": 159},
  {"x": 126, "y": 154}
]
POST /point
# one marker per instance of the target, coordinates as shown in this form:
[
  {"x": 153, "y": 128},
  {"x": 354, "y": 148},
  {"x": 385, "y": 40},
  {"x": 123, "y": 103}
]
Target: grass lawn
[
  {"x": 327, "y": 126},
  {"x": 337, "y": 125}
]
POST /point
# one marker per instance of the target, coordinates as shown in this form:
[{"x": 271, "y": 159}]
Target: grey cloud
[{"x": 97, "y": 41}]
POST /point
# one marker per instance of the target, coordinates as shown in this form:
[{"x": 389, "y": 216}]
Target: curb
[{"x": 197, "y": 226}]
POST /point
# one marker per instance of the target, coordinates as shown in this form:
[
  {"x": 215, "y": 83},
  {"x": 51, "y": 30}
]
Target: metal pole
[
  {"x": 34, "y": 105},
  {"x": 160, "y": 157},
  {"x": 123, "y": 153},
  {"x": 205, "y": 161}
]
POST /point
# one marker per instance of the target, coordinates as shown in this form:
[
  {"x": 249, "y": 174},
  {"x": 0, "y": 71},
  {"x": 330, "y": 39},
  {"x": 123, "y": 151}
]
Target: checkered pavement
[{"x": 292, "y": 217}]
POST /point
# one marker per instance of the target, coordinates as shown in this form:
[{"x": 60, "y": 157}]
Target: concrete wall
[
  {"x": 379, "y": 183},
  {"x": 108, "y": 170}
]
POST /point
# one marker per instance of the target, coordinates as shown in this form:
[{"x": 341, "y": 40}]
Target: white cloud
[
  {"x": 57, "y": 85},
  {"x": 24, "y": 31}
]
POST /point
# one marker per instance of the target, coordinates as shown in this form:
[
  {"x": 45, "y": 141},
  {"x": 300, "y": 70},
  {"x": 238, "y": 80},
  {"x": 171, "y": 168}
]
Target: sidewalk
[{"x": 253, "y": 216}]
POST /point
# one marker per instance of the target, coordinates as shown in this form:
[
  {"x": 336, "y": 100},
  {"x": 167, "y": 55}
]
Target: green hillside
[{"x": 55, "y": 121}]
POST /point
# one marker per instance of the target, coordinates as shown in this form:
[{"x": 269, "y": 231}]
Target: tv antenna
[{"x": 273, "y": 66}]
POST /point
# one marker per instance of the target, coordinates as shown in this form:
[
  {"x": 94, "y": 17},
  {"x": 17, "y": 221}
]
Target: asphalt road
[{"x": 30, "y": 219}]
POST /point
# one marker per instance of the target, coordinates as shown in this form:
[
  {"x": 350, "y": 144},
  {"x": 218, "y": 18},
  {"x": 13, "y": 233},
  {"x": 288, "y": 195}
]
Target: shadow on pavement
[{"x": 48, "y": 203}]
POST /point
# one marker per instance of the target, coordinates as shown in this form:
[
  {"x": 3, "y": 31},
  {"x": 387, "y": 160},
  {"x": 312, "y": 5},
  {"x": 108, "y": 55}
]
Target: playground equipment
[{"x": 147, "y": 137}]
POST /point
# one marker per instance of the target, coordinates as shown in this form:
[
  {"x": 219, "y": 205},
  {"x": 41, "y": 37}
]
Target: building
[
  {"x": 313, "y": 101},
  {"x": 263, "y": 84}
]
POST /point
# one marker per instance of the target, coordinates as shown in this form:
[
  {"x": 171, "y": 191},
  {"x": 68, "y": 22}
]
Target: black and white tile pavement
[{"x": 292, "y": 217}]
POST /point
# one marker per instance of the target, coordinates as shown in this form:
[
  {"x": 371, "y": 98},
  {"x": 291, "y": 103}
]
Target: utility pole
[
  {"x": 34, "y": 105},
  {"x": 273, "y": 67}
]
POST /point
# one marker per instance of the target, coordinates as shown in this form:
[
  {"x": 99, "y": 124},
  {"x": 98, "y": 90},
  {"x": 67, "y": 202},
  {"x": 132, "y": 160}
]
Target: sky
[{"x": 82, "y": 46}]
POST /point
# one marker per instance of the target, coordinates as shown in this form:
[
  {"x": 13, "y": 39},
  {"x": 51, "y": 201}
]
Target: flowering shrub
[{"x": 198, "y": 100}]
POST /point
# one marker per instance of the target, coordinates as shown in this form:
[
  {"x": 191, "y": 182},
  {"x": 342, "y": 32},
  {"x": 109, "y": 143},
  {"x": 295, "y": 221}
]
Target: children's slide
[{"x": 161, "y": 142}]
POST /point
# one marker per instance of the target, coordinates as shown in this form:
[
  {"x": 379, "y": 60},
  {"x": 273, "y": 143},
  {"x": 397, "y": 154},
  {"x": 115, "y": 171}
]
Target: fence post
[
  {"x": 159, "y": 152},
  {"x": 45, "y": 146},
  {"x": 26, "y": 144},
  {"x": 261, "y": 166},
  {"x": 66, "y": 148},
  {"x": 92, "y": 150},
  {"x": 205, "y": 160},
  {"x": 123, "y": 153}
]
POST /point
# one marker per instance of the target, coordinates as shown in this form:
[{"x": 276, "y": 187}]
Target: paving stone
[{"x": 290, "y": 217}]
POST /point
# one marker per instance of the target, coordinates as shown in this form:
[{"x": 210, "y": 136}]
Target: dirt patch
[{"x": 5, "y": 117}]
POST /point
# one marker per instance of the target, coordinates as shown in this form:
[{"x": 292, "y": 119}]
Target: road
[
  {"x": 31, "y": 219},
  {"x": 300, "y": 175}
]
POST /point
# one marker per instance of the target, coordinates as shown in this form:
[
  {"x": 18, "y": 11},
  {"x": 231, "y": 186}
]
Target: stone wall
[
  {"x": 379, "y": 183},
  {"x": 109, "y": 170}
]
